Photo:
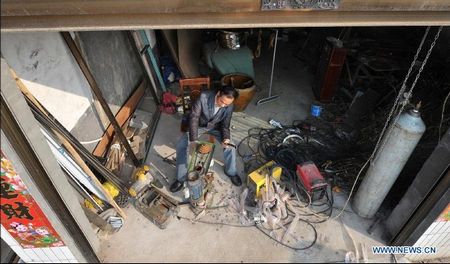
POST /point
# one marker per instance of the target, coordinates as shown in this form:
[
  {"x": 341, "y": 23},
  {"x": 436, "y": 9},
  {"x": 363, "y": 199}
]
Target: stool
[{"x": 192, "y": 87}]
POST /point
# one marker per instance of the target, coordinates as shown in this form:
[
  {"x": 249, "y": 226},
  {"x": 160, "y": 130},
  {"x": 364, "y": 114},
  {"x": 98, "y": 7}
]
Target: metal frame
[
  {"x": 98, "y": 94},
  {"x": 426, "y": 213},
  {"x": 422, "y": 202},
  {"x": 280, "y": 19},
  {"x": 72, "y": 7}
]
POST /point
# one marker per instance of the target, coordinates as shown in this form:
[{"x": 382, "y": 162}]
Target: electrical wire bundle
[
  {"x": 314, "y": 140},
  {"x": 288, "y": 146}
]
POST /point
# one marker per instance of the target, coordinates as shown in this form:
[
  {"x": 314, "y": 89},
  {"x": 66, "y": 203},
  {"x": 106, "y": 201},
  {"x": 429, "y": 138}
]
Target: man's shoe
[
  {"x": 176, "y": 186},
  {"x": 236, "y": 180}
]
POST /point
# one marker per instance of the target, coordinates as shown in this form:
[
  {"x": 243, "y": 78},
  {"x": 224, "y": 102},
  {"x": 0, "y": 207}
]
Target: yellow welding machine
[{"x": 257, "y": 178}]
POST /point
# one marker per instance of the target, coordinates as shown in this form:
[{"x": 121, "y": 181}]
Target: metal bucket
[
  {"x": 195, "y": 185},
  {"x": 246, "y": 87}
]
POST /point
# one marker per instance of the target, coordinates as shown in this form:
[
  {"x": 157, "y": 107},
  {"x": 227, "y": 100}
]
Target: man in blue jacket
[{"x": 211, "y": 113}]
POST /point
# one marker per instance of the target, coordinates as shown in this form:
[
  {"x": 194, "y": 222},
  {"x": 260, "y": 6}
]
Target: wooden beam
[
  {"x": 69, "y": 147},
  {"x": 94, "y": 87},
  {"x": 80, "y": 7},
  {"x": 223, "y": 20},
  {"x": 122, "y": 116},
  {"x": 104, "y": 7}
]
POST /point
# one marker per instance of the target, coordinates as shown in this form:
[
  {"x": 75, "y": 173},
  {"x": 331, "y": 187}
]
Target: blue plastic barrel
[{"x": 316, "y": 110}]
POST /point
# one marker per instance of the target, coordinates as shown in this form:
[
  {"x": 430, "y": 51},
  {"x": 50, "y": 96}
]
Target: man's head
[{"x": 226, "y": 96}]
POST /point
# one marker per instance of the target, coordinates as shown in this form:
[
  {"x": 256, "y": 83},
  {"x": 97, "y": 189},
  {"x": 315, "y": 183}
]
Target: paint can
[{"x": 316, "y": 109}]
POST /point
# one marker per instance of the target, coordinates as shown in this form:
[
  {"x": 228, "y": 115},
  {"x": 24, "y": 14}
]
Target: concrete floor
[{"x": 183, "y": 241}]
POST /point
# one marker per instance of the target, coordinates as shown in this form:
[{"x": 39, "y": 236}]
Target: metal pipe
[
  {"x": 137, "y": 47},
  {"x": 273, "y": 62},
  {"x": 98, "y": 93},
  {"x": 270, "y": 97},
  {"x": 51, "y": 121}
]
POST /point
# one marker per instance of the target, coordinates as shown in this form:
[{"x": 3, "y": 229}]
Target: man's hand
[{"x": 226, "y": 142}]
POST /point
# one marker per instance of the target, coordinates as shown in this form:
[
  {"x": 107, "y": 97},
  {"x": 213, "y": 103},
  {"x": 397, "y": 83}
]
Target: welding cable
[
  {"x": 260, "y": 229},
  {"x": 233, "y": 225},
  {"x": 288, "y": 246},
  {"x": 287, "y": 156},
  {"x": 329, "y": 202},
  {"x": 317, "y": 214},
  {"x": 211, "y": 223}
]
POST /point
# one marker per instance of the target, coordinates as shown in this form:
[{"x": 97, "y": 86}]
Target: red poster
[
  {"x": 445, "y": 215},
  {"x": 21, "y": 215}
]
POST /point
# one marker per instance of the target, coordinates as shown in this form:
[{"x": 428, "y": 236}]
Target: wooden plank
[
  {"x": 122, "y": 116},
  {"x": 268, "y": 19},
  {"x": 78, "y": 7},
  {"x": 69, "y": 147},
  {"x": 98, "y": 93},
  {"x": 104, "y": 7}
]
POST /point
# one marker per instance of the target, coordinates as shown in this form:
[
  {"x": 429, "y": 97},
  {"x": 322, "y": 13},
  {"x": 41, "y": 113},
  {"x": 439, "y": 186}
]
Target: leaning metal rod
[
  {"x": 47, "y": 120},
  {"x": 271, "y": 97},
  {"x": 77, "y": 186},
  {"x": 51, "y": 121},
  {"x": 98, "y": 94}
]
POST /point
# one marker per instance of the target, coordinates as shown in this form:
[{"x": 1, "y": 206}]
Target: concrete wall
[
  {"x": 46, "y": 66},
  {"x": 116, "y": 69},
  {"x": 113, "y": 63}
]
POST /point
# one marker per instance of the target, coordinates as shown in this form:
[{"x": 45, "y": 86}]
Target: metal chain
[
  {"x": 393, "y": 110},
  {"x": 400, "y": 93},
  {"x": 412, "y": 88}
]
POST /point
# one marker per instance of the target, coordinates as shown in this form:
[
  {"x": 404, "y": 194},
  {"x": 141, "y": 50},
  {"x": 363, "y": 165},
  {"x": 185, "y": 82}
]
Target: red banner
[
  {"x": 21, "y": 215},
  {"x": 445, "y": 215}
]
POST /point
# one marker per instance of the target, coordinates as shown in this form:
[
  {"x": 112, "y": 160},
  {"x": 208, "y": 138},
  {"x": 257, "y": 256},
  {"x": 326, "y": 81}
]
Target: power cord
[
  {"x": 291, "y": 247},
  {"x": 211, "y": 223},
  {"x": 261, "y": 229}
]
